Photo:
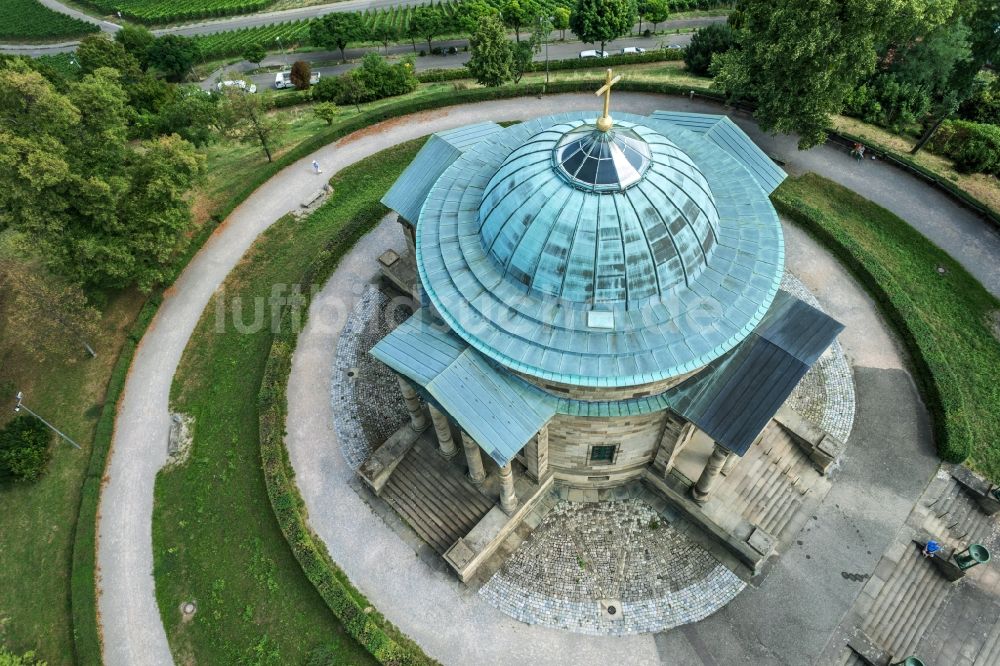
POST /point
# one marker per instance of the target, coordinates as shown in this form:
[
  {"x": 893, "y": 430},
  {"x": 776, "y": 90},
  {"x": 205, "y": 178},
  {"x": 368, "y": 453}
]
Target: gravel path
[{"x": 132, "y": 630}]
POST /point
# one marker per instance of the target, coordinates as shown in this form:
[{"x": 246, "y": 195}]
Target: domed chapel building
[{"x": 594, "y": 296}]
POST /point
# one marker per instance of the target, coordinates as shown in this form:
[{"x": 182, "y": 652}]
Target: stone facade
[{"x": 636, "y": 439}]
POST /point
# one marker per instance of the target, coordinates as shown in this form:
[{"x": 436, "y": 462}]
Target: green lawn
[
  {"x": 944, "y": 319},
  {"x": 215, "y": 537},
  {"x": 38, "y": 519}
]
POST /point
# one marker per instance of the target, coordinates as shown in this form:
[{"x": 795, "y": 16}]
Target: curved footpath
[{"x": 132, "y": 631}]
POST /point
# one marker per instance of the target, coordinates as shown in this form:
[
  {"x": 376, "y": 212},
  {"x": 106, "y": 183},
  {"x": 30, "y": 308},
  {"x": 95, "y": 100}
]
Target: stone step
[
  {"x": 989, "y": 655},
  {"x": 434, "y": 498}
]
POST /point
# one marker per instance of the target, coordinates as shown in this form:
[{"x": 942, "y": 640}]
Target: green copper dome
[
  {"x": 547, "y": 267},
  {"x": 599, "y": 217}
]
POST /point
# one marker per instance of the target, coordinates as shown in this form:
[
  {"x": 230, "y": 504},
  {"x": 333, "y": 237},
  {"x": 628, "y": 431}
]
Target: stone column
[
  {"x": 730, "y": 464},
  {"x": 710, "y": 475},
  {"x": 473, "y": 456},
  {"x": 417, "y": 419},
  {"x": 508, "y": 500},
  {"x": 446, "y": 444}
]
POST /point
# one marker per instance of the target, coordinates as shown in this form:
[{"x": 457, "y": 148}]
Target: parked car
[
  {"x": 633, "y": 50},
  {"x": 593, "y": 54},
  {"x": 241, "y": 85},
  {"x": 283, "y": 80},
  {"x": 451, "y": 50},
  {"x": 675, "y": 46}
]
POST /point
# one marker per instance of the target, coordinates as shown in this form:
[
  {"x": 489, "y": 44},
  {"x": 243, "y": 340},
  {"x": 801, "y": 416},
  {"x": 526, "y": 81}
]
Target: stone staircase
[
  {"x": 907, "y": 603},
  {"x": 434, "y": 498},
  {"x": 772, "y": 482}
]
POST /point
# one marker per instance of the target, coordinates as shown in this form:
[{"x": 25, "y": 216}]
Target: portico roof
[{"x": 499, "y": 410}]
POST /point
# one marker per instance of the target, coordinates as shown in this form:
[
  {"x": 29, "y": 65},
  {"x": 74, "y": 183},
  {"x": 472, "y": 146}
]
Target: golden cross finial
[{"x": 604, "y": 122}]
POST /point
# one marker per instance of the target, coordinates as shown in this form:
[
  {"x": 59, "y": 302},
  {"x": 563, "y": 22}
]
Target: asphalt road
[{"x": 556, "y": 51}]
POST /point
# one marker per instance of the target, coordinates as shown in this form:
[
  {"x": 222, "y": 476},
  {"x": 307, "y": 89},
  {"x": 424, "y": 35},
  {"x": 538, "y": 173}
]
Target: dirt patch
[
  {"x": 378, "y": 128},
  {"x": 993, "y": 323}
]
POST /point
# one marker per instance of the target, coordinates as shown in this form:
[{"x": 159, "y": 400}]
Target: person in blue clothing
[{"x": 932, "y": 548}]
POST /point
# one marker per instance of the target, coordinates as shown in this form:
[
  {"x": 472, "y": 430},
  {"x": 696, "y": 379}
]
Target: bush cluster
[
  {"x": 375, "y": 79},
  {"x": 24, "y": 449},
  {"x": 973, "y": 147}
]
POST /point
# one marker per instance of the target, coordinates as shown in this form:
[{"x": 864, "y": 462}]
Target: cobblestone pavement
[
  {"x": 825, "y": 396},
  {"x": 367, "y": 404},
  {"x": 622, "y": 552}
]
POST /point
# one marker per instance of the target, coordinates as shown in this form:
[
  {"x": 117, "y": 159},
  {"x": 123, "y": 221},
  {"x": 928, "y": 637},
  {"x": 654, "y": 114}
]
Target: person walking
[
  {"x": 931, "y": 549},
  {"x": 316, "y": 168}
]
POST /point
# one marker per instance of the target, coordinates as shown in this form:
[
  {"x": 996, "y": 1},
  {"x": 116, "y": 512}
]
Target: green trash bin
[
  {"x": 974, "y": 555},
  {"x": 909, "y": 661}
]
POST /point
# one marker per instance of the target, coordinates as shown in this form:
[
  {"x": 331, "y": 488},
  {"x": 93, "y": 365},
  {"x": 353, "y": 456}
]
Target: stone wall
[
  {"x": 601, "y": 393},
  {"x": 638, "y": 439}
]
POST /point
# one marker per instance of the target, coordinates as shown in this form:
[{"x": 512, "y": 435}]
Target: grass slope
[
  {"x": 215, "y": 536},
  {"x": 38, "y": 520},
  {"x": 944, "y": 319}
]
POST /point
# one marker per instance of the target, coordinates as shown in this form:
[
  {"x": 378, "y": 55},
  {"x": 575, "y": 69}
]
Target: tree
[
  {"x": 301, "y": 71},
  {"x": 24, "y": 450},
  {"x": 173, "y": 56},
  {"x": 426, "y": 22},
  {"x": 351, "y": 90},
  {"x": 469, "y": 14},
  {"x": 100, "y": 210},
  {"x": 337, "y": 30},
  {"x": 46, "y": 315},
  {"x": 326, "y": 111},
  {"x": 192, "y": 115},
  {"x": 254, "y": 53},
  {"x": 657, "y": 11},
  {"x": 491, "y": 62},
  {"x": 799, "y": 59},
  {"x": 379, "y": 79},
  {"x": 327, "y": 89},
  {"x": 712, "y": 39},
  {"x": 519, "y": 13},
  {"x": 244, "y": 117},
  {"x": 521, "y": 55},
  {"x": 602, "y": 21},
  {"x": 385, "y": 32},
  {"x": 136, "y": 40},
  {"x": 96, "y": 51},
  {"x": 560, "y": 21}
]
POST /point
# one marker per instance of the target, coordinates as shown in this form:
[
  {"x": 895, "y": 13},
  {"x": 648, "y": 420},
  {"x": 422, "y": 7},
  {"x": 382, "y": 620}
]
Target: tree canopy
[
  {"x": 173, "y": 56},
  {"x": 712, "y": 39},
  {"x": 426, "y": 22},
  {"x": 336, "y": 30},
  {"x": 519, "y": 13},
  {"x": 602, "y": 21},
  {"x": 99, "y": 209},
  {"x": 491, "y": 62}
]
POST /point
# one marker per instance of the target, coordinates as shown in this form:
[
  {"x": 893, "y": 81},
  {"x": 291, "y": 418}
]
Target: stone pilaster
[
  {"x": 446, "y": 443},
  {"x": 417, "y": 419},
  {"x": 536, "y": 455},
  {"x": 710, "y": 475},
  {"x": 508, "y": 500},
  {"x": 474, "y": 458}
]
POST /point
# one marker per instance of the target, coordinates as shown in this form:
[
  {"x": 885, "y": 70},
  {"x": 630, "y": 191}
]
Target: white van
[
  {"x": 241, "y": 85},
  {"x": 283, "y": 80},
  {"x": 633, "y": 50},
  {"x": 593, "y": 54}
]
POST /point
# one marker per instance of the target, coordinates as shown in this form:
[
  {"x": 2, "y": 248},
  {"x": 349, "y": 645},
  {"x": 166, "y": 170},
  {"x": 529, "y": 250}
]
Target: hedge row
[
  {"x": 659, "y": 55},
  {"x": 370, "y": 629}
]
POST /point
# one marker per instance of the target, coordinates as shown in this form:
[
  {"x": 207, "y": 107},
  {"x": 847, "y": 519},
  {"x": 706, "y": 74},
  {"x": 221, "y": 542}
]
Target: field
[
  {"x": 175, "y": 11},
  {"x": 30, "y": 21},
  {"x": 224, "y": 44}
]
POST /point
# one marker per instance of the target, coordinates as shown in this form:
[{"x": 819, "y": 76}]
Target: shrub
[
  {"x": 301, "y": 71},
  {"x": 379, "y": 79},
  {"x": 983, "y": 105},
  {"x": 712, "y": 39},
  {"x": 8, "y": 658},
  {"x": 326, "y": 89},
  {"x": 24, "y": 448},
  {"x": 974, "y": 147}
]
